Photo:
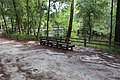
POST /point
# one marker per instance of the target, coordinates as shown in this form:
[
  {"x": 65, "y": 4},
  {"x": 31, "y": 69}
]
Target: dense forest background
[{"x": 95, "y": 19}]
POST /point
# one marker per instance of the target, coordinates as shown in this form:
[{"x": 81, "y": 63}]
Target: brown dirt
[{"x": 27, "y": 60}]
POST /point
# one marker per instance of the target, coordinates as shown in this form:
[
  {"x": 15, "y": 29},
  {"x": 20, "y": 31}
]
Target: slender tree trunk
[
  {"x": 111, "y": 26},
  {"x": 41, "y": 13},
  {"x": 12, "y": 24},
  {"x": 58, "y": 31},
  {"x": 39, "y": 25},
  {"x": 57, "y": 14},
  {"x": 1, "y": 23},
  {"x": 117, "y": 28},
  {"x": 48, "y": 19},
  {"x": 71, "y": 20},
  {"x": 33, "y": 26},
  {"x": 28, "y": 29},
  {"x": 90, "y": 28},
  {"x": 30, "y": 25},
  {"x": 17, "y": 17},
  {"x": 4, "y": 18},
  {"x": 35, "y": 19},
  {"x": 22, "y": 25}
]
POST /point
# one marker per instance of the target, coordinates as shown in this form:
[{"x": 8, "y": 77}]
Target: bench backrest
[{"x": 62, "y": 40}]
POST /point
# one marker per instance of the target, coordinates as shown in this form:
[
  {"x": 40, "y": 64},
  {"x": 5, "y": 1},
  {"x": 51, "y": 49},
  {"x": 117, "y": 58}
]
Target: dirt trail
[{"x": 30, "y": 61}]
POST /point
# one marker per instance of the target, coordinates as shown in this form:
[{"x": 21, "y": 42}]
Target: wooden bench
[
  {"x": 66, "y": 44},
  {"x": 57, "y": 42},
  {"x": 43, "y": 40},
  {"x": 52, "y": 42}
]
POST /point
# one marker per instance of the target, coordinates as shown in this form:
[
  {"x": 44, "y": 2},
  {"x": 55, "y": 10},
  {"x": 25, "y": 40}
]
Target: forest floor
[{"x": 27, "y": 60}]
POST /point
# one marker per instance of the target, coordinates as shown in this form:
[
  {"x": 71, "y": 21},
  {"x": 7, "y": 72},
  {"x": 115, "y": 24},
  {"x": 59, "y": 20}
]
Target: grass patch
[
  {"x": 107, "y": 48},
  {"x": 18, "y": 36}
]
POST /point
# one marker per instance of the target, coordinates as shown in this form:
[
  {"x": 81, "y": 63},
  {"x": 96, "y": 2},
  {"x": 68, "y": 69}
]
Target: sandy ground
[{"x": 30, "y": 61}]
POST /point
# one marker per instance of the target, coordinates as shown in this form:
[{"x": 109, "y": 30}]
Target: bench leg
[
  {"x": 71, "y": 48},
  {"x": 67, "y": 48},
  {"x": 41, "y": 43}
]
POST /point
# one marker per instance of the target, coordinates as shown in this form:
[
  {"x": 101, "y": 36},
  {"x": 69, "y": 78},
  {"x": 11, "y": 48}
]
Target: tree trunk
[
  {"x": 111, "y": 26},
  {"x": 12, "y": 24},
  {"x": 41, "y": 13},
  {"x": 71, "y": 20},
  {"x": 117, "y": 28},
  {"x": 48, "y": 18},
  {"x": 28, "y": 26},
  {"x": 17, "y": 17},
  {"x": 33, "y": 26},
  {"x": 90, "y": 28},
  {"x": 39, "y": 25},
  {"x": 4, "y": 18},
  {"x": 58, "y": 35}
]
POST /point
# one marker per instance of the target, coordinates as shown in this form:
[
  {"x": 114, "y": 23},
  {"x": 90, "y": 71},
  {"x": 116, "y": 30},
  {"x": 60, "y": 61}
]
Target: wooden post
[
  {"x": 48, "y": 39},
  {"x": 17, "y": 37},
  {"x": 85, "y": 41}
]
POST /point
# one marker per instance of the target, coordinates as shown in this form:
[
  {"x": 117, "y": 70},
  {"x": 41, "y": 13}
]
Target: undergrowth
[{"x": 18, "y": 36}]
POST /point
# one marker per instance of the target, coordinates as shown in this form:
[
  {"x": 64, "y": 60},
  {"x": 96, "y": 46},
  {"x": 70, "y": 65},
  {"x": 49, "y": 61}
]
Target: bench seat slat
[{"x": 57, "y": 42}]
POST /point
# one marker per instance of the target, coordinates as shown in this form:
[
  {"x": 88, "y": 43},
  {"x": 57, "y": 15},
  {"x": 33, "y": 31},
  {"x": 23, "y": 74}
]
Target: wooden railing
[{"x": 85, "y": 41}]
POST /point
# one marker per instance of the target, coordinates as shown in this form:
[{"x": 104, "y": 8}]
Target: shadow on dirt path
[{"x": 27, "y": 60}]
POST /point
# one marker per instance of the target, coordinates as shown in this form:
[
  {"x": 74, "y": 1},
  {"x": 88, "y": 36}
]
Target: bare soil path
[{"x": 27, "y": 60}]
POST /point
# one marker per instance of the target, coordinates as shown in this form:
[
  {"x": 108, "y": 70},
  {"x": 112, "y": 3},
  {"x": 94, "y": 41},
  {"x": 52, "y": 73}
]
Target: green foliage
[
  {"x": 97, "y": 10},
  {"x": 106, "y": 48}
]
